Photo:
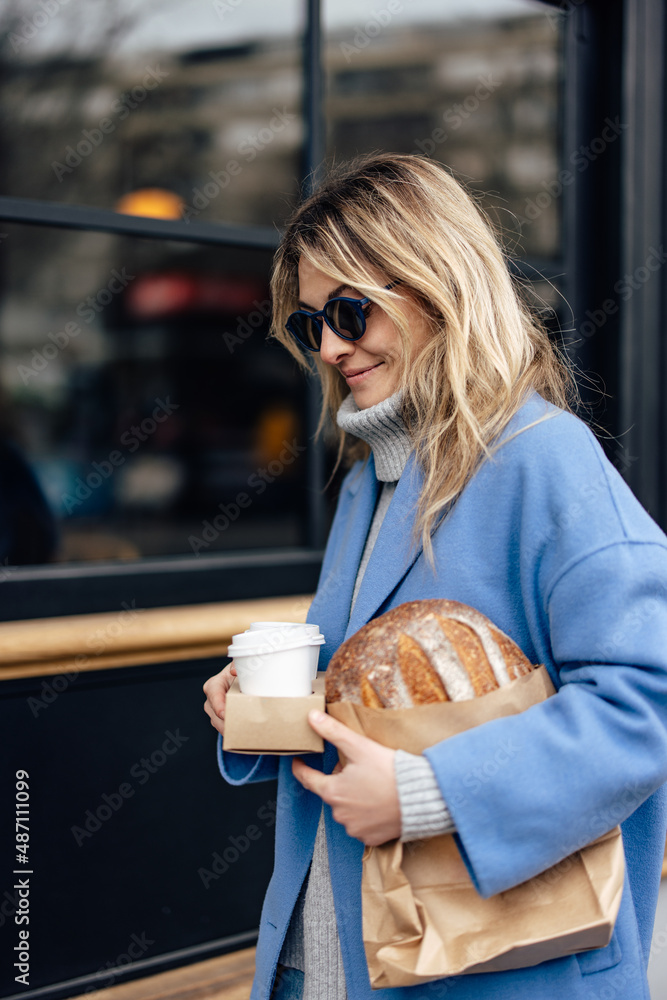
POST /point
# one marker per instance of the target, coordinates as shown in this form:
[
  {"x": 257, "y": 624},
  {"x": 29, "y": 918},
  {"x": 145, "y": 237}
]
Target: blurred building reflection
[{"x": 98, "y": 332}]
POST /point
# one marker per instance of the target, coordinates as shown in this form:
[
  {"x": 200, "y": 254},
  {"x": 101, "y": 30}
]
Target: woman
[{"x": 473, "y": 483}]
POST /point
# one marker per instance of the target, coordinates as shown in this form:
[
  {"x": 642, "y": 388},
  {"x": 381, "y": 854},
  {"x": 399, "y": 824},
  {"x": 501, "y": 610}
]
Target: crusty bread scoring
[{"x": 423, "y": 652}]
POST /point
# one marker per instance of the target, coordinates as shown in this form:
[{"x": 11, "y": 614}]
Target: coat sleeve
[
  {"x": 526, "y": 791},
  {"x": 245, "y": 769}
]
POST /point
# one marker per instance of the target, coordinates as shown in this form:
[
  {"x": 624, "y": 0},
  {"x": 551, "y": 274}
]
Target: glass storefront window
[
  {"x": 138, "y": 386},
  {"x": 135, "y": 378},
  {"x": 199, "y": 101},
  {"x": 475, "y": 85}
]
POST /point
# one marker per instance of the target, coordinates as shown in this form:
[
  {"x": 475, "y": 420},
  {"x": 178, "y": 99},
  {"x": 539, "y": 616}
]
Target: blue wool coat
[{"x": 549, "y": 542}]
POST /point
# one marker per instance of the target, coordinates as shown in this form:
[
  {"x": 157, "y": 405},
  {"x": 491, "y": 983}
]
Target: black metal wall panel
[
  {"x": 138, "y": 849},
  {"x": 643, "y": 252},
  {"x": 52, "y": 591}
]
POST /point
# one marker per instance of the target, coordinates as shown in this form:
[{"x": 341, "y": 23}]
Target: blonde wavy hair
[{"x": 390, "y": 217}]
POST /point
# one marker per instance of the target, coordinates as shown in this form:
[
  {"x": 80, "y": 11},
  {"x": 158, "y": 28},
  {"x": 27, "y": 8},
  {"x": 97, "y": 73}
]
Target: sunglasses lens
[
  {"x": 306, "y": 330},
  {"x": 347, "y": 320}
]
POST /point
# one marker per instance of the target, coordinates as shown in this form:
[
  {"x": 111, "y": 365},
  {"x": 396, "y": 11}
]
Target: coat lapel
[
  {"x": 394, "y": 551},
  {"x": 331, "y": 607}
]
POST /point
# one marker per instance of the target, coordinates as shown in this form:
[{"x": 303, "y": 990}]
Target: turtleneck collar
[{"x": 381, "y": 426}]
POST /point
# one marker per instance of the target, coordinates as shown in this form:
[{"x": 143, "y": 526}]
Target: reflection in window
[
  {"x": 474, "y": 85},
  {"x": 135, "y": 379},
  {"x": 106, "y": 99},
  {"x": 138, "y": 386}
]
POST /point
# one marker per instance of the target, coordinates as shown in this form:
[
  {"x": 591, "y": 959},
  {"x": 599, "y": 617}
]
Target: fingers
[
  {"x": 216, "y": 689},
  {"x": 363, "y": 799},
  {"x": 350, "y": 743},
  {"x": 217, "y": 722},
  {"x": 312, "y": 780}
]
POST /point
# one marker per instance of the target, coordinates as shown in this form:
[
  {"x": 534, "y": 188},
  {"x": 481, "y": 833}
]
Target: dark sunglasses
[{"x": 343, "y": 315}]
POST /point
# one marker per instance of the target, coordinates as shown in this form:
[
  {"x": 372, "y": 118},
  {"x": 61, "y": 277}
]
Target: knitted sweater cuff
[{"x": 424, "y": 812}]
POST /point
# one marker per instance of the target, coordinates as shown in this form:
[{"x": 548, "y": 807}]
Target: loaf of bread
[{"x": 423, "y": 652}]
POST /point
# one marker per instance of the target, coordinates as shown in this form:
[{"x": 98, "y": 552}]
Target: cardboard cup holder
[{"x": 255, "y": 724}]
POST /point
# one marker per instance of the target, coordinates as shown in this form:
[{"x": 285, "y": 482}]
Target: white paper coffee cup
[
  {"x": 273, "y": 663},
  {"x": 313, "y": 633}
]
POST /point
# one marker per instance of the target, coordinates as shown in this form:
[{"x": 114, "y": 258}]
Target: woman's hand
[
  {"x": 216, "y": 689},
  {"x": 362, "y": 795}
]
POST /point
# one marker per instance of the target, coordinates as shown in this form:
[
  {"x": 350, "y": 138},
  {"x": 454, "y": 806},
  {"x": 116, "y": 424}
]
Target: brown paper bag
[{"x": 422, "y": 917}]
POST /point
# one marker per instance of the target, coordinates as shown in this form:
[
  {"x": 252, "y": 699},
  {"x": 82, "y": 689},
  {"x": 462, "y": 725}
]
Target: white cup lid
[
  {"x": 267, "y": 642},
  {"x": 244, "y": 639},
  {"x": 256, "y": 626},
  {"x": 312, "y": 631}
]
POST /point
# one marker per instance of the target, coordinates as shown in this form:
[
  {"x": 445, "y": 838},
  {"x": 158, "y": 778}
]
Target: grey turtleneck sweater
[{"x": 312, "y": 942}]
